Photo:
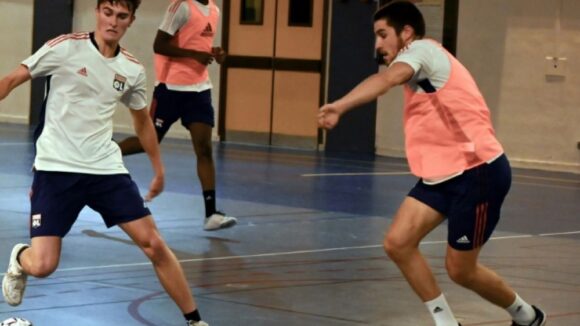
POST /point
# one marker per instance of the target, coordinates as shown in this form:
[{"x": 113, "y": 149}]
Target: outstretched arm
[
  {"x": 366, "y": 91},
  {"x": 164, "y": 46},
  {"x": 147, "y": 136},
  {"x": 13, "y": 80}
]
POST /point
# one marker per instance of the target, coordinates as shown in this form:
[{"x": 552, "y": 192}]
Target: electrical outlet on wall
[{"x": 555, "y": 66}]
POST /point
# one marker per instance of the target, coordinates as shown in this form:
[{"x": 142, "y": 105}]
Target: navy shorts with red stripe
[
  {"x": 168, "y": 106},
  {"x": 471, "y": 202},
  {"x": 57, "y": 198}
]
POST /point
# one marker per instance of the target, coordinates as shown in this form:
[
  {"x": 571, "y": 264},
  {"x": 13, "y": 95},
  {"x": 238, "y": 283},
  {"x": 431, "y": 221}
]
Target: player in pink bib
[
  {"x": 451, "y": 146},
  {"x": 183, "y": 49}
]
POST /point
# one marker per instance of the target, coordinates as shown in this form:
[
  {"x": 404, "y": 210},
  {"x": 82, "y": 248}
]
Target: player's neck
[{"x": 107, "y": 49}]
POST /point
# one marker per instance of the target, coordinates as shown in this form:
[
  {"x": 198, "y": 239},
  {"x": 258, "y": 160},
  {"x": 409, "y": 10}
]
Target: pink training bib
[
  {"x": 450, "y": 130},
  {"x": 197, "y": 34}
]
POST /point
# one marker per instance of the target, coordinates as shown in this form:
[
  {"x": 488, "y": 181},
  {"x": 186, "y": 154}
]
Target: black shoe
[{"x": 540, "y": 319}]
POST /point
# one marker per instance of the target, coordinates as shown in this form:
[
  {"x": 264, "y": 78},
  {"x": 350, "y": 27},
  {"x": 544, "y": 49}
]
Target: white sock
[
  {"x": 521, "y": 312},
  {"x": 441, "y": 312}
]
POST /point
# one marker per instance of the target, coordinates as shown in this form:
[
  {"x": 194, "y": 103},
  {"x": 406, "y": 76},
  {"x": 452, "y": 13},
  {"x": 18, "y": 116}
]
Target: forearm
[
  {"x": 375, "y": 86},
  {"x": 13, "y": 80},
  {"x": 148, "y": 139},
  {"x": 366, "y": 91},
  {"x": 171, "y": 50}
]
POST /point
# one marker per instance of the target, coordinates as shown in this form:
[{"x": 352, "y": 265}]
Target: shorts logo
[
  {"x": 463, "y": 239},
  {"x": 159, "y": 123},
  {"x": 119, "y": 82},
  {"x": 36, "y": 220}
]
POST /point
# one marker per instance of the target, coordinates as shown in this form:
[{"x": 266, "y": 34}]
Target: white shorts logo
[
  {"x": 159, "y": 123},
  {"x": 36, "y": 219},
  {"x": 463, "y": 239}
]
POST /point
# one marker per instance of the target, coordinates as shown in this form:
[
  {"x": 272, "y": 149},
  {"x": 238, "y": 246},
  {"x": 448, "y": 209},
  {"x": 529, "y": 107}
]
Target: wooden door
[{"x": 273, "y": 78}]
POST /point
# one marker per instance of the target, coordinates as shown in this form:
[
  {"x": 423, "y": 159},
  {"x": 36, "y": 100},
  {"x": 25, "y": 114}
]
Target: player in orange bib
[
  {"x": 451, "y": 146},
  {"x": 183, "y": 49}
]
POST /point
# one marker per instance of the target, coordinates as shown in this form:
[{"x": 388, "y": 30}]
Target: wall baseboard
[
  {"x": 7, "y": 118},
  {"x": 545, "y": 165}
]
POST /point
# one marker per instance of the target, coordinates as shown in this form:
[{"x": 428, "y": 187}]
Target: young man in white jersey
[
  {"x": 451, "y": 146},
  {"x": 77, "y": 164},
  {"x": 183, "y": 49}
]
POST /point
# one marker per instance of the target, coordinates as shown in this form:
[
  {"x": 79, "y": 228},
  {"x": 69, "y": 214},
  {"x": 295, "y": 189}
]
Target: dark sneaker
[{"x": 540, "y": 319}]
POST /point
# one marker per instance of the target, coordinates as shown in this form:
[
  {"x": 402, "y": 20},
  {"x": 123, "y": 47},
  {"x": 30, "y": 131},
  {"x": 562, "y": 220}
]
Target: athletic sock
[
  {"x": 209, "y": 201},
  {"x": 194, "y": 315},
  {"x": 522, "y": 312},
  {"x": 18, "y": 254},
  {"x": 440, "y": 311}
]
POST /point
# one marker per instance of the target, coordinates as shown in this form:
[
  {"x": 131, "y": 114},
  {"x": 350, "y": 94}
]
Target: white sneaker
[
  {"x": 219, "y": 220},
  {"x": 14, "y": 282},
  {"x": 199, "y": 323},
  {"x": 540, "y": 319}
]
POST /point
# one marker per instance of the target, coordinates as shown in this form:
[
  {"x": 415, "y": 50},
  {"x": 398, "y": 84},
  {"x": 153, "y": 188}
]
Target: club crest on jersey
[{"x": 119, "y": 82}]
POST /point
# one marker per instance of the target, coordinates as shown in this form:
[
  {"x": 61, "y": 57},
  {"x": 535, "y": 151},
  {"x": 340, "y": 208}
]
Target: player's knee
[
  {"x": 155, "y": 248},
  {"x": 203, "y": 151},
  {"x": 396, "y": 247}
]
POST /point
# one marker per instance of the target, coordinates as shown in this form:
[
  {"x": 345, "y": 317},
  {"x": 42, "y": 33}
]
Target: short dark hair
[
  {"x": 398, "y": 14},
  {"x": 131, "y": 4}
]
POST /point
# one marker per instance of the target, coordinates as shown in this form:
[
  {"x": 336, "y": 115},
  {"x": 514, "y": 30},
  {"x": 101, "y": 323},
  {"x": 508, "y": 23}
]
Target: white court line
[
  {"x": 299, "y": 252},
  {"x": 352, "y": 173},
  {"x": 561, "y": 233}
]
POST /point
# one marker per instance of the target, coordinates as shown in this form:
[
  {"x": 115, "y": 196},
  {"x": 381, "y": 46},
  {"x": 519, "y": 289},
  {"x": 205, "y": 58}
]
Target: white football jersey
[{"x": 84, "y": 89}]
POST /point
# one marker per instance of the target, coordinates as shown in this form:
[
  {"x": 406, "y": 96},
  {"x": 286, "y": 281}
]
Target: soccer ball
[{"x": 15, "y": 321}]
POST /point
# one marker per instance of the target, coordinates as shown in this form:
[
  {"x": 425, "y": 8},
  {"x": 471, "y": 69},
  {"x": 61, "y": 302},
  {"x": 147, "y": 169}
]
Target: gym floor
[{"x": 307, "y": 249}]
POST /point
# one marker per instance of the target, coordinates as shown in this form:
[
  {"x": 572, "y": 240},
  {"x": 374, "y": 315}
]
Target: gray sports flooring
[{"x": 307, "y": 250}]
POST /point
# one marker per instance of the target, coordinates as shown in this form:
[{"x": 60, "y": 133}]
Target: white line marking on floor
[{"x": 299, "y": 252}]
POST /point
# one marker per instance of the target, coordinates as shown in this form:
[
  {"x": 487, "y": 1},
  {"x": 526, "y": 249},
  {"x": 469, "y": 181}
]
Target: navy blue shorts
[
  {"x": 471, "y": 202},
  {"x": 190, "y": 107},
  {"x": 58, "y": 198}
]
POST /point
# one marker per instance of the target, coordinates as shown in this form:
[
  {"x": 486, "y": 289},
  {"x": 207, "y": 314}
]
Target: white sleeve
[
  {"x": 136, "y": 97},
  {"x": 176, "y": 16},
  {"x": 47, "y": 59},
  {"x": 417, "y": 55}
]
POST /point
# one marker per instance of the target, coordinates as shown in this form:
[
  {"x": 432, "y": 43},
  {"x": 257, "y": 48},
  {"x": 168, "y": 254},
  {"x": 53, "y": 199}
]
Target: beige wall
[
  {"x": 537, "y": 116},
  {"x": 504, "y": 45},
  {"x": 15, "y": 45},
  {"x": 139, "y": 41}
]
